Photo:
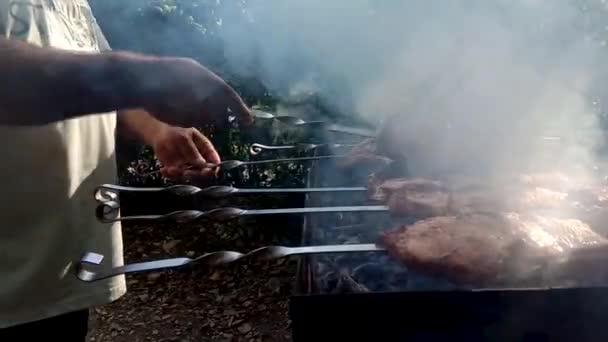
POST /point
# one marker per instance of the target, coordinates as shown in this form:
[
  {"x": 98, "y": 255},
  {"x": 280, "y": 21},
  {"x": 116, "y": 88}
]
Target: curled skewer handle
[
  {"x": 108, "y": 212},
  {"x": 256, "y": 149},
  {"x": 86, "y": 270},
  {"x": 286, "y": 119},
  {"x": 109, "y": 192}
]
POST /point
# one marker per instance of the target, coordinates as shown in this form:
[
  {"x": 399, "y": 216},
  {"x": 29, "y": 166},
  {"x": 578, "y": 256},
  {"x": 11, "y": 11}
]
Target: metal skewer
[
  {"x": 107, "y": 212},
  {"x": 86, "y": 270},
  {"x": 294, "y": 121},
  {"x": 232, "y": 164},
  {"x": 109, "y": 192},
  {"x": 256, "y": 149}
]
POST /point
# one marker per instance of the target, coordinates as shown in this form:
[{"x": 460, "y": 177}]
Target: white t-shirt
[{"x": 47, "y": 209}]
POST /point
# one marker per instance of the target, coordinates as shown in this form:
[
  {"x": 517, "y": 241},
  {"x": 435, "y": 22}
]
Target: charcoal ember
[
  {"x": 327, "y": 281},
  {"x": 346, "y": 284},
  {"x": 374, "y": 276},
  {"x": 369, "y": 270}
]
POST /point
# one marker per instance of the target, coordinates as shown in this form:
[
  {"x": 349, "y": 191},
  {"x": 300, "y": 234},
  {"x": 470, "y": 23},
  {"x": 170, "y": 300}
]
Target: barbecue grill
[
  {"x": 369, "y": 297},
  {"x": 362, "y": 294}
]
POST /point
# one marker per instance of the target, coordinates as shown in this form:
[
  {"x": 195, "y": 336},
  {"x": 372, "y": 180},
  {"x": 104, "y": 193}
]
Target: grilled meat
[
  {"x": 484, "y": 249},
  {"x": 417, "y": 197},
  {"x": 420, "y": 197},
  {"x": 363, "y": 155},
  {"x": 380, "y": 189}
]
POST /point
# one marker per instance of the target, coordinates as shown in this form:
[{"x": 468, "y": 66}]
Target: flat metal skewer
[
  {"x": 256, "y": 149},
  {"x": 109, "y": 192},
  {"x": 107, "y": 212},
  {"x": 89, "y": 270},
  {"x": 227, "y": 165},
  {"x": 294, "y": 121}
]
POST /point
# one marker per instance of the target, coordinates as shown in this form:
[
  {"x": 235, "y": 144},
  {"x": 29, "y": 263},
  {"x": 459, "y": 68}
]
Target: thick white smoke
[{"x": 478, "y": 82}]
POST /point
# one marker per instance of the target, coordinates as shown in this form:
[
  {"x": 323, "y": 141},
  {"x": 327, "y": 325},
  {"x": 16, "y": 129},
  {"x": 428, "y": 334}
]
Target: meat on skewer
[
  {"x": 422, "y": 198},
  {"x": 484, "y": 249},
  {"x": 365, "y": 156}
]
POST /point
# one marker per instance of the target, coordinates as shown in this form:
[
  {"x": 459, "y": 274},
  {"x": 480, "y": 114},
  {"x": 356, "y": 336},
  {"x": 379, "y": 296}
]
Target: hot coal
[{"x": 489, "y": 249}]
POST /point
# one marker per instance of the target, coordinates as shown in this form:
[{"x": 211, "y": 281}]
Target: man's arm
[
  {"x": 42, "y": 85},
  {"x": 139, "y": 125}
]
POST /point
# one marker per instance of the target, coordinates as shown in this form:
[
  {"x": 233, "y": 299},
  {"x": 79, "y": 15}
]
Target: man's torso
[{"x": 49, "y": 176}]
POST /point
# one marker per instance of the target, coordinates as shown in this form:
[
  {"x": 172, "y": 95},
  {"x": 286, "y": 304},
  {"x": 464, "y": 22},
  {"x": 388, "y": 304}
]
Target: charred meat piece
[
  {"x": 364, "y": 155},
  {"x": 417, "y": 197},
  {"x": 487, "y": 249},
  {"x": 420, "y": 197},
  {"x": 420, "y": 203},
  {"x": 365, "y": 158},
  {"x": 380, "y": 189}
]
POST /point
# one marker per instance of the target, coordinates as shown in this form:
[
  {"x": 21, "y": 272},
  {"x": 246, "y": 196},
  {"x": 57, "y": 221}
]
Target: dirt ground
[{"x": 244, "y": 302}]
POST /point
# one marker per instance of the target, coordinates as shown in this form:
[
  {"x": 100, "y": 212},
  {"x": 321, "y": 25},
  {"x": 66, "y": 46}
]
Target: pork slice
[
  {"x": 420, "y": 204},
  {"x": 363, "y": 155},
  {"x": 422, "y": 198},
  {"x": 380, "y": 189},
  {"x": 484, "y": 249}
]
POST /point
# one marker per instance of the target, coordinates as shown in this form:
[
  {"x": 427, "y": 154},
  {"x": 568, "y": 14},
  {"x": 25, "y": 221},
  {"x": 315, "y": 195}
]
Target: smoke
[{"x": 477, "y": 83}]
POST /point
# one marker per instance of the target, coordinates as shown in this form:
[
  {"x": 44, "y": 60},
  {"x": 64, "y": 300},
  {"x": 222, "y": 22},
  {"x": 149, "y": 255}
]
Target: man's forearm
[
  {"x": 139, "y": 125},
  {"x": 43, "y": 85}
]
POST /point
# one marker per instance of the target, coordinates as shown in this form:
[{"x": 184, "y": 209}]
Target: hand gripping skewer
[
  {"x": 108, "y": 211},
  {"x": 109, "y": 192},
  {"x": 294, "y": 121},
  {"x": 89, "y": 267}
]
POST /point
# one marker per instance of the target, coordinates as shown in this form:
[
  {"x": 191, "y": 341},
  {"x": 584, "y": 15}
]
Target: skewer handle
[
  {"x": 108, "y": 212},
  {"x": 109, "y": 192},
  {"x": 86, "y": 270},
  {"x": 256, "y": 149}
]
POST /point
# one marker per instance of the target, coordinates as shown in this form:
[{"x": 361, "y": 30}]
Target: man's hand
[
  {"x": 182, "y": 92},
  {"x": 177, "y": 148},
  {"x": 183, "y": 152}
]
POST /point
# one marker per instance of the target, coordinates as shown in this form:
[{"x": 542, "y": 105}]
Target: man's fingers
[
  {"x": 193, "y": 174},
  {"x": 205, "y": 147},
  {"x": 238, "y": 106},
  {"x": 190, "y": 151},
  {"x": 171, "y": 172}
]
